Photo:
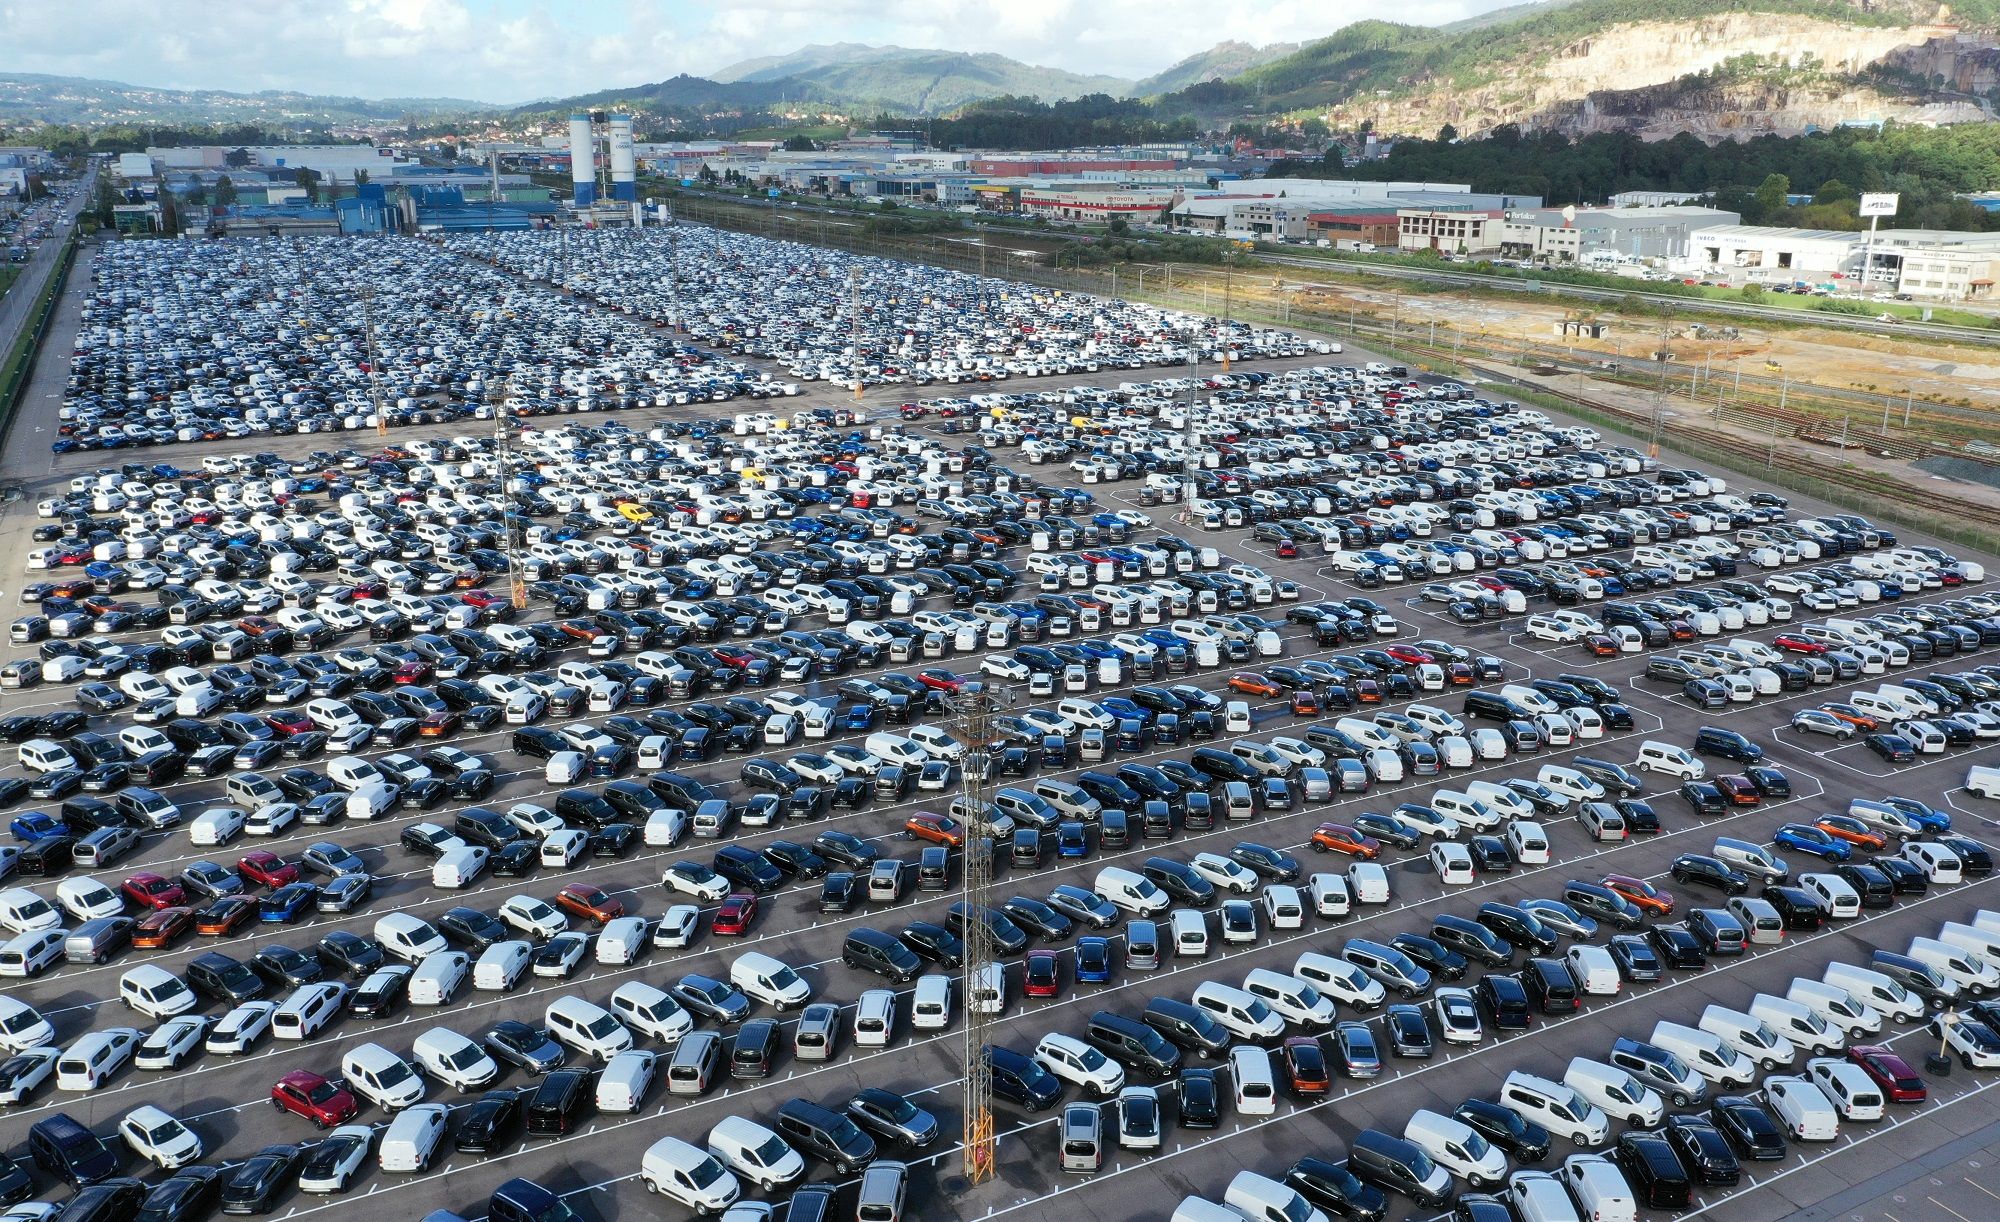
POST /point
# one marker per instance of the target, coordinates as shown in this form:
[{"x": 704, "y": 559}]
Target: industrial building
[
  {"x": 1773, "y": 252},
  {"x": 1637, "y": 234},
  {"x": 1468, "y": 232}
]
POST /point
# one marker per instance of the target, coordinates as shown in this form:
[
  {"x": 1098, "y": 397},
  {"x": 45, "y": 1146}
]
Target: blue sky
[{"x": 516, "y": 50}]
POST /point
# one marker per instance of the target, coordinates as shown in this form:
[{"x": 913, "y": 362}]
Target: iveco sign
[{"x": 1880, "y": 203}]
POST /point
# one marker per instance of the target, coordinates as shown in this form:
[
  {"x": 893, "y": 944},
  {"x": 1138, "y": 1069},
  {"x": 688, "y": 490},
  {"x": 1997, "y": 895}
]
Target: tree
[
  {"x": 360, "y": 178},
  {"x": 1834, "y": 191},
  {"x": 1447, "y": 134},
  {"x": 225, "y": 191},
  {"x": 1333, "y": 160},
  {"x": 800, "y": 144},
  {"x": 309, "y": 179},
  {"x": 1771, "y": 194},
  {"x": 1119, "y": 225},
  {"x": 1314, "y": 128}
]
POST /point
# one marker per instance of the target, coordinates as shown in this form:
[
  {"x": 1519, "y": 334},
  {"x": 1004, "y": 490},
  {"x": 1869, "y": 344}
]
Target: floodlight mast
[{"x": 973, "y": 708}]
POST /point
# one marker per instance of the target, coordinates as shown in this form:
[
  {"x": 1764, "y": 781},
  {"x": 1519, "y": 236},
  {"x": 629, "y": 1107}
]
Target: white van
[
  {"x": 1875, "y": 989},
  {"x": 1368, "y": 882},
  {"x": 412, "y": 1138},
  {"x": 688, "y": 1174},
  {"x": 1190, "y": 930},
  {"x": 1967, "y": 969},
  {"x": 1797, "y": 1022},
  {"x": 1596, "y": 972},
  {"x": 437, "y": 979},
  {"x": 621, "y": 940},
  {"x": 409, "y": 938},
  {"x": 456, "y": 869},
  {"x": 1556, "y": 1107},
  {"x": 1847, "y": 1086},
  {"x": 1130, "y": 891},
  {"x": 1256, "y": 1196},
  {"x": 1983, "y": 781},
  {"x": 651, "y": 1011},
  {"x": 1529, "y": 842},
  {"x": 769, "y": 980},
  {"x": 308, "y": 1010},
  {"x": 1677, "y": 762},
  {"x": 1245, "y": 1016},
  {"x": 1329, "y": 895},
  {"x": 1804, "y": 1109},
  {"x": 665, "y": 827},
  {"x": 587, "y": 1027},
  {"x": 1236, "y": 717},
  {"x": 625, "y": 1080},
  {"x": 1457, "y": 1147},
  {"x": 1250, "y": 1076},
  {"x": 381, "y": 1077},
  {"x": 216, "y": 826},
  {"x": 148, "y": 989},
  {"x": 1292, "y": 999},
  {"x": 1834, "y": 894},
  {"x": 1599, "y": 1188},
  {"x": 1751, "y": 1036},
  {"x": 1838, "y": 1007},
  {"x": 501, "y": 965},
  {"x": 372, "y": 801},
  {"x": 875, "y": 1018},
  {"x": 1616, "y": 1091},
  {"x": 1340, "y": 980},
  {"x": 930, "y": 1002},
  {"x": 1705, "y": 1053}
]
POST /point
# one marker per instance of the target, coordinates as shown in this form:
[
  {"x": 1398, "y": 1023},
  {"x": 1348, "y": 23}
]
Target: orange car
[
  {"x": 1643, "y": 894},
  {"x": 1253, "y": 684},
  {"x": 163, "y": 927},
  {"x": 1852, "y": 716},
  {"x": 936, "y": 828},
  {"x": 1340, "y": 838},
  {"x": 226, "y": 916},
  {"x": 1852, "y": 830},
  {"x": 1600, "y": 645},
  {"x": 593, "y": 904}
]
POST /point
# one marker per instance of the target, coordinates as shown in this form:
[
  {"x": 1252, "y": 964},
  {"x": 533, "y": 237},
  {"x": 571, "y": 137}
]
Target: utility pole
[
  {"x": 854, "y": 309},
  {"x": 510, "y": 518},
  {"x": 1189, "y": 436},
  {"x": 973, "y": 707}
]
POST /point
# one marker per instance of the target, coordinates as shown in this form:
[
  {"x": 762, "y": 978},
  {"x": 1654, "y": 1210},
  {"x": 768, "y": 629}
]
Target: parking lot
[{"x": 226, "y": 1099}]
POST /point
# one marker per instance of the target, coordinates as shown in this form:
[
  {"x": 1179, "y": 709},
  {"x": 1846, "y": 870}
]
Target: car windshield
[
  {"x": 769, "y": 1152},
  {"x": 466, "y": 1057},
  {"x": 323, "y": 1092},
  {"x": 164, "y": 1132},
  {"x": 706, "y": 1172}
]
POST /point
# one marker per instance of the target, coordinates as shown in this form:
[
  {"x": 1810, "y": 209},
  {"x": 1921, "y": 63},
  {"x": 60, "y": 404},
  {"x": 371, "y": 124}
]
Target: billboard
[{"x": 1880, "y": 203}]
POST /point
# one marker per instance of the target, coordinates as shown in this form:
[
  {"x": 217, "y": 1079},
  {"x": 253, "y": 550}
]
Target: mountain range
[{"x": 1719, "y": 68}]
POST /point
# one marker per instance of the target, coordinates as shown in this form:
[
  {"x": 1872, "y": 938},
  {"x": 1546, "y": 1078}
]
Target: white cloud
[{"x": 511, "y": 50}]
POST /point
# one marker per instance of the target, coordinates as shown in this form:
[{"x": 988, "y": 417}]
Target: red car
[
  {"x": 936, "y": 828},
  {"x": 1340, "y": 838},
  {"x": 304, "y": 1093},
  {"x": 940, "y": 680},
  {"x": 162, "y": 928},
  {"x": 289, "y": 722},
  {"x": 1890, "y": 1072},
  {"x": 412, "y": 672},
  {"x": 1795, "y": 643},
  {"x": 153, "y": 891},
  {"x": 1408, "y": 655},
  {"x": 1739, "y": 789},
  {"x": 264, "y": 868},
  {"x": 593, "y": 904},
  {"x": 733, "y": 918},
  {"x": 1044, "y": 977},
  {"x": 226, "y": 915},
  {"x": 1305, "y": 1065},
  {"x": 1643, "y": 894}
]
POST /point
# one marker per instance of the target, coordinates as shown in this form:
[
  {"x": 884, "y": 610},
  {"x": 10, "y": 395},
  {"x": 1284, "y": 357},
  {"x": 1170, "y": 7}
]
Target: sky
[{"x": 510, "y": 51}]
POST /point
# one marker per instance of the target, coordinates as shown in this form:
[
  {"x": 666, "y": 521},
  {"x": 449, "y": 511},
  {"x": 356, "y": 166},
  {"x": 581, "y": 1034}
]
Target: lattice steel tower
[{"x": 973, "y": 708}]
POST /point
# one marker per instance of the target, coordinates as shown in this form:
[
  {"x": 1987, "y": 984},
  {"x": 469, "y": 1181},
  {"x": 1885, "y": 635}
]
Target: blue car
[
  {"x": 287, "y": 904},
  {"x": 1093, "y": 960},
  {"x": 1808, "y": 839},
  {"x": 1923, "y": 814},
  {"x": 35, "y": 825},
  {"x": 1071, "y": 839}
]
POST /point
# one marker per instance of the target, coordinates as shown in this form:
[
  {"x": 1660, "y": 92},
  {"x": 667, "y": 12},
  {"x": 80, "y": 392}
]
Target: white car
[
  {"x": 1224, "y": 873},
  {"x": 157, "y": 1137},
  {"x": 238, "y": 1031},
  {"x": 25, "y": 1073},
  {"x": 1457, "y": 1015},
  {"x": 169, "y": 1045},
  {"x": 695, "y": 880},
  {"x": 533, "y": 916},
  {"x": 755, "y": 1153},
  {"x": 1076, "y": 1062},
  {"x": 453, "y": 1059},
  {"x": 677, "y": 926},
  {"x": 272, "y": 820},
  {"x": 1547, "y": 628},
  {"x": 22, "y": 1026},
  {"x": 86, "y": 899},
  {"x": 336, "y": 1159}
]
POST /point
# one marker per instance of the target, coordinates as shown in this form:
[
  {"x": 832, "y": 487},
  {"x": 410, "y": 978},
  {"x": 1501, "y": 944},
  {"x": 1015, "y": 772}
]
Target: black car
[
  {"x": 934, "y": 942},
  {"x": 285, "y": 968},
  {"x": 1440, "y": 960},
  {"x": 1678, "y": 948},
  {"x": 348, "y": 954},
  {"x": 1690, "y": 868},
  {"x": 846, "y": 848},
  {"x": 491, "y": 1123},
  {"x": 1504, "y": 999},
  {"x": 1200, "y": 1099},
  {"x": 522, "y": 1045},
  {"x": 1506, "y": 1128},
  {"x": 1037, "y": 917},
  {"x": 1975, "y": 858},
  {"x": 382, "y": 994},
  {"x": 1703, "y": 1150},
  {"x": 839, "y": 891},
  {"x": 189, "y": 1195},
  {"x": 1490, "y": 855},
  {"x": 1519, "y": 927},
  {"x": 1265, "y": 861},
  {"x": 1409, "y": 1031},
  {"x": 1748, "y": 1128},
  {"x": 1333, "y": 1188},
  {"x": 472, "y": 928},
  {"x": 1705, "y": 798},
  {"x": 254, "y": 1186},
  {"x": 795, "y": 859},
  {"x": 1386, "y": 829}
]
